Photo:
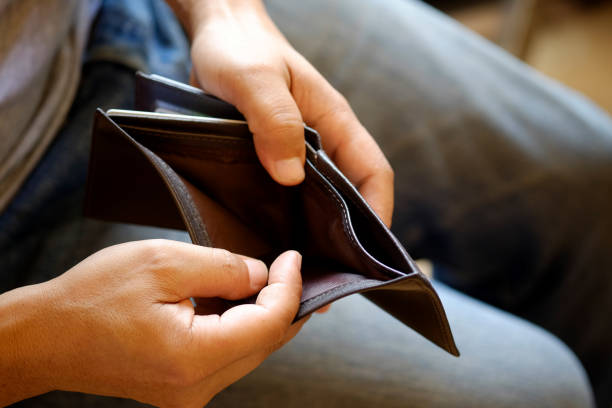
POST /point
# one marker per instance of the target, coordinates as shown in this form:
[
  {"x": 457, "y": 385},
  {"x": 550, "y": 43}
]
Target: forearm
[{"x": 22, "y": 373}]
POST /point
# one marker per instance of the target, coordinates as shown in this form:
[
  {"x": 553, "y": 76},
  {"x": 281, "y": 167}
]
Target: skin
[
  {"x": 241, "y": 57},
  {"x": 120, "y": 323}
]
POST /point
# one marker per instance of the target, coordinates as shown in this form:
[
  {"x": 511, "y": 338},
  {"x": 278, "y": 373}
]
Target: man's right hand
[{"x": 121, "y": 323}]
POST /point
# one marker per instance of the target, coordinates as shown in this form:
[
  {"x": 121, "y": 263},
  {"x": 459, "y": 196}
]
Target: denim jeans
[
  {"x": 502, "y": 179},
  {"x": 503, "y": 176}
]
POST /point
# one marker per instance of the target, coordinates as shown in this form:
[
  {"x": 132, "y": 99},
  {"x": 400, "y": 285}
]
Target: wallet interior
[
  {"x": 202, "y": 175},
  {"x": 246, "y": 212}
]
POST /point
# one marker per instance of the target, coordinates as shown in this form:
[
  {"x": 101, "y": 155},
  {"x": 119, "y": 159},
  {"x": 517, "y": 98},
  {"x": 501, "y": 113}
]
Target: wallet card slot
[
  {"x": 367, "y": 226},
  {"x": 328, "y": 217}
]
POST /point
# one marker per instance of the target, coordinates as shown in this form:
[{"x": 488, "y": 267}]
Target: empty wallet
[{"x": 186, "y": 160}]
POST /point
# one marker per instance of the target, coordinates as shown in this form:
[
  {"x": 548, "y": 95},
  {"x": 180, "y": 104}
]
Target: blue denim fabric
[
  {"x": 127, "y": 35},
  {"x": 503, "y": 176},
  {"x": 143, "y": 35},
  {"x": 449, "y": 111}
]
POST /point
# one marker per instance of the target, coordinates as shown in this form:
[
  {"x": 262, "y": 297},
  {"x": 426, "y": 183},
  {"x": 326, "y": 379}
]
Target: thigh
[
  {"x": 497, "y": 168},
  {"x": 503, "y": 177},
  {"x": 356, "y": 355}
]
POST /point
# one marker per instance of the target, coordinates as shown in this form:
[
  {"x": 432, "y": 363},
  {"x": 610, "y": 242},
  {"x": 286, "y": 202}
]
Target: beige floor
[{"x": 569, "y": 43}]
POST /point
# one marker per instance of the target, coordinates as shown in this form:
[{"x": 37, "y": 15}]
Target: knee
[{"x": 507, "y": 361}]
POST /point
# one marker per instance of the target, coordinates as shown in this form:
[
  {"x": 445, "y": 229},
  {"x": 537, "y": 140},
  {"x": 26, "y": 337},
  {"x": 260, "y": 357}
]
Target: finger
[
  {"x": 250, "y": 328},
  {"x": 354, "y": 151},
  {"x": 324, "y": 309},
  {"x": 187, "y": 270},
  {"x": 193, "y": 80},
  {"x": 276, "y": 123},
  {"x": 345, "y": 140}
]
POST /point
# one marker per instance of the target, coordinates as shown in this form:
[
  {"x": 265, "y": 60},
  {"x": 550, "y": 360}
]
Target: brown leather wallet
[{"x": 167, "y": 165}]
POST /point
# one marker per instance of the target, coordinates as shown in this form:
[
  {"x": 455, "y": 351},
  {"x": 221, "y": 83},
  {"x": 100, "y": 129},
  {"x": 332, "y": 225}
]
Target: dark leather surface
[{"x": 206, "y": 178}]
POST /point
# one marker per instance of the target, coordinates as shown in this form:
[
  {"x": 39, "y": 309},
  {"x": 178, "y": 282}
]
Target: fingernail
[
  {"x": 289, "y": 171},
  {"x": 258, "y": 272},
  {"x": 297, "y": 259}
]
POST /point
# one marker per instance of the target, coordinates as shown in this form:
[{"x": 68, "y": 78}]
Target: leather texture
[{"x": 201, "y": 175}]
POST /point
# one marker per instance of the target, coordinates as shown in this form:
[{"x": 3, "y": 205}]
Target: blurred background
[{"x": 569, "y": 40}]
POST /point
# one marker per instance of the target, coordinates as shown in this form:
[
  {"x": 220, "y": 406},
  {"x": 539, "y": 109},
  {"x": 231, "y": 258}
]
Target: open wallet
[{"x": 186, "y": 160}]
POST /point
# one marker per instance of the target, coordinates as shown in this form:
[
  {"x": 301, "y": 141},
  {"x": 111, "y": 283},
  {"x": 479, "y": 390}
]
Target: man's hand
[
  {"x": 121, "y": 323},
  {"x": 240, "y": 56}
]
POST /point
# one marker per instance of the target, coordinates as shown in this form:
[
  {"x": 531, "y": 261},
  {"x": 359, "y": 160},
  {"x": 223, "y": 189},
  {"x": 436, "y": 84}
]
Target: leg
[
  {"x": 571, "y": 383},
  {"x": 358, "y": 356},
  {"x": 373, "y": 360},
  {"x": 504, "y": 178}
]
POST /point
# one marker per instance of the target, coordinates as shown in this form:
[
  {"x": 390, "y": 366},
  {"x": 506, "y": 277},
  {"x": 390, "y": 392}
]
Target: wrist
[
  {"x": 194, "y": 13},
  {"x": 25, "y": 344}
]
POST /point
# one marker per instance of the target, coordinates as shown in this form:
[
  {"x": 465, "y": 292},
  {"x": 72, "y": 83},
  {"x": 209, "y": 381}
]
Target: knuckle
[
  {"x": 339, "y": 111},
  {"x": 388, "y": 173},
  {"x": 225, "y": 260},
  {"x": 283, "y": 120},
  {"x": 256, "y": 68},
  {"x": 243, "y": 76},
  {"x": 338, "y": 104},
  {"x": 341, "y": 103},
  {"x": 230, "y": 265},
  {"x": 156, "y": 255},
  {"x": 285, "y": 116},
  {"x": 243, "y": 65}
]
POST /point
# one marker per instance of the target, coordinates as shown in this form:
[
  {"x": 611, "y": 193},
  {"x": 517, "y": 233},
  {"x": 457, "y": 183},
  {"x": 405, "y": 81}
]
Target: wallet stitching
[
  {"x": 184, "y": 200},
  {"x": 183, "y": 197},
  {"x": 435, "y": 305},
  {"x": 330, "y": 177},
  {"x": 215, "y": 155},
  {"x": 345, "y": 221},
  {"x": 331, "y": 290},
  {"x": 357, "y": 203},
  {"x": 242, "y": 155},
  {"x": 356, "y": 245},
  {"x": 190, "y": 135}
]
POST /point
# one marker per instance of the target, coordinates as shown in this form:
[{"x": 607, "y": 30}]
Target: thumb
[{"x": 276, "y": 123}]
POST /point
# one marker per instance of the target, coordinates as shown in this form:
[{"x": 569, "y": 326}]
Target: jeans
[{"x": 502, "y": 179}]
